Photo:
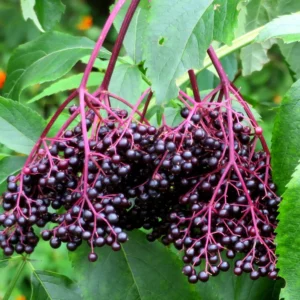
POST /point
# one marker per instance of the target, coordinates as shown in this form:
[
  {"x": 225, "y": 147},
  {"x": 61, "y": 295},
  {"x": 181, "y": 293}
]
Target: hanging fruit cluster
[{"x": 202, "y": 185}]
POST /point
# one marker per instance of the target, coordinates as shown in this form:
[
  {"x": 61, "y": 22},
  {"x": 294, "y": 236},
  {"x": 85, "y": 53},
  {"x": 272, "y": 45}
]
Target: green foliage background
[{"x": 264, "y": 71}]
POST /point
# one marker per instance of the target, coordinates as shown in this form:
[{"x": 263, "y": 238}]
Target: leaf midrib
[
  {"x": 39, "y": 60},
  {"x": 131, "y": 272}
]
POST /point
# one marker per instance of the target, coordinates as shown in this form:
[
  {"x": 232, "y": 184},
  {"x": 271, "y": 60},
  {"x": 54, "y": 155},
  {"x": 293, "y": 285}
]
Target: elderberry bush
[{"x": 203, "y": 185}]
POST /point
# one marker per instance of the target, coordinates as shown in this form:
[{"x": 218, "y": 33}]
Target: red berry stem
[
  {"x": 194, "y": 85},
  {"x": 118, "y": 44},
  {"x": 100, "y": 42}
]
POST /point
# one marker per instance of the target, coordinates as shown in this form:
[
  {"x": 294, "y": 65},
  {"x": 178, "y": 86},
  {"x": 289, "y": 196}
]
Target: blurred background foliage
[{"x": 263, "y": 89}]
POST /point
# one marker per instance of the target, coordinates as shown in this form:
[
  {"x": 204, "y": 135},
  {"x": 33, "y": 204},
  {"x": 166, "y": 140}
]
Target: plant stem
[
  {"x": 194, "y": 85},
  {"x": 100, "y": 42},
  {"x": 13, "y": 282},
  {"x": 118, "y": 44},
  {"x": 218, "y": 66},
  {"x": 146, "y": 107},
  {"x": 238, "y": 43}
]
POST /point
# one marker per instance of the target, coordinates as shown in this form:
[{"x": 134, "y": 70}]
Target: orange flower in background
[
  {"x": 277, "y": 99},
  {"x": 21, "y": 297},
  {"x": 85, "y": 23},
  {"x": 2, "y": 78}
]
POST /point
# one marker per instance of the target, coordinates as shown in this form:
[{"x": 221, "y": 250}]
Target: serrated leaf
[
  {"x": 291, "y": 55},
  {"x": 285, "y": 27},
  {"x": 46, "y": 58},
  {"x": 288, "y": 238},
  {"x": 52, "y": 286},
  {"x": 286, "y": 138},
  {"x": 254, "y": 57},
  {"x": 49, "y": 12},
  {"x": 177, "y": 37},
  {"x": 226, "y": 17},
  {"x": 134, "y": 38},
  {"x": 69, "y": 83},
  {"x": 20, "y": 126},
  {"x": 29, "y": 13},
  {"x": 126, "y": 82},
  {"x": 141, "y": 270},
  {"x": 259, "y": 12},
  {"x": 9, "y": 165}
]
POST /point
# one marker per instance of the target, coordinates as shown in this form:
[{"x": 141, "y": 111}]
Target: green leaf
[
  {"x": 98, "y": 64},
  {"x": 20, "y": 126},
  {"x": 49, "y": 12},
  {"x": 61, "y": 120},
  {"x": 10, "y": 165},
  {"x": 173, "y": 116},
  {"x": 288, "y": 238},
  {"x": 29, "y": 13},
  {"x": 226, "y": 17},
  {"x": 52, "y": 286},
  {"x": 254, "y": 57},
  {"x": 47, "y": 58},
  {"x": 126, "y": 82},
  {"x": 259, "y": 12},
  {"x": 177, "y": 37},
  {"x": 285, "y": 27},
  {"x": 134, "y": 38},
  {"x": 69, "y": 83},
  {"x": 151, "y": 271},
  {"x": 286, "y": 139},
  {"x": 288, "y": 6},
  {"x": 227, "y": 286},
  {"x": 2, "y": 155},
  {"x": 141, "y": 270},
  {"x": 291, "y": 54}
]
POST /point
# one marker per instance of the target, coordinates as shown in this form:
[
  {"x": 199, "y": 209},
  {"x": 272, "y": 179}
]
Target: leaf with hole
[{"x": 177, "y": 37}]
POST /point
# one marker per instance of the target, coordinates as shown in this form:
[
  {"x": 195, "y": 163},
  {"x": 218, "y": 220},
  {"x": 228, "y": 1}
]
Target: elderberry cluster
[{"x": 201, "y": 186}]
